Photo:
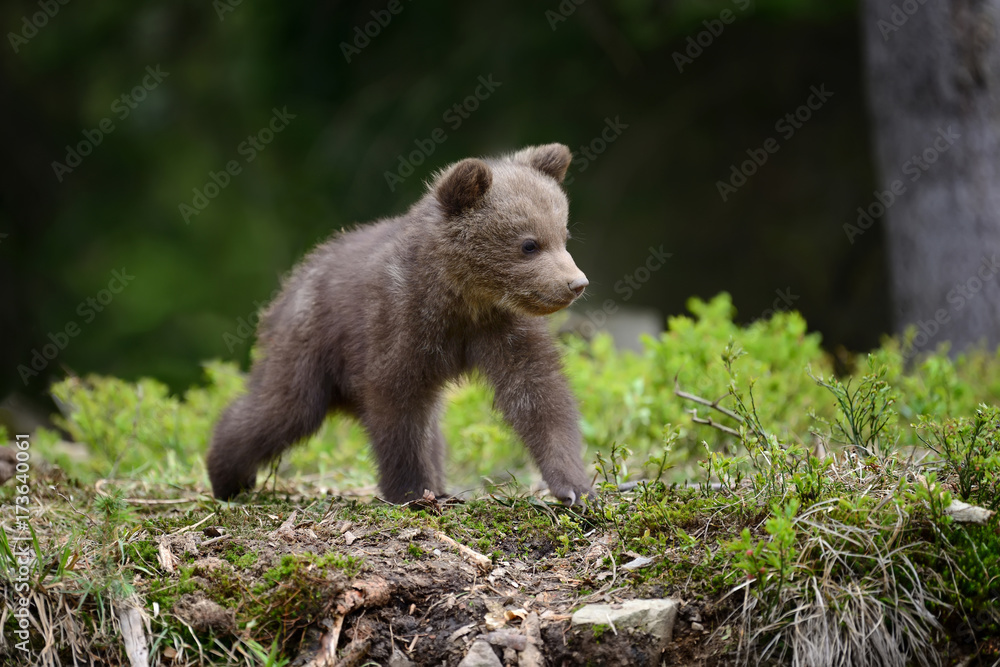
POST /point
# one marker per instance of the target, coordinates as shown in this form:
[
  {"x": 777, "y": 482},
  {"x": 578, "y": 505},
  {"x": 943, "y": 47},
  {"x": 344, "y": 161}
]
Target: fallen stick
[
  {"x": 477, "y": 558},
  {"x": 365, "y": 592},
  {"x": 327, "y": 654},
  {"x": 134, "y": 636},
  {"x": 506, "y": 638}
]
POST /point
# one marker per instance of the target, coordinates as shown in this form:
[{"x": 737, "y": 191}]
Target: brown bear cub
[{"x": 375, "y": 321}]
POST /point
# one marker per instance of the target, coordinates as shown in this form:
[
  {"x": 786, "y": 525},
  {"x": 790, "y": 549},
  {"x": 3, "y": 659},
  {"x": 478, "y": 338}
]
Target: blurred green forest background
[{"x": 564, "y": 71}]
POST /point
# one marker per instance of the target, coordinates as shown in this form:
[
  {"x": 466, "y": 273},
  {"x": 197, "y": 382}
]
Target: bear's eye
[{"x": 529, "y": 246}]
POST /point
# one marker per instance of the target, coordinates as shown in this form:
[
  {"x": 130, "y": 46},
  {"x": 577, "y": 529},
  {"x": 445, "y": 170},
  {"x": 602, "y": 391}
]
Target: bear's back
[{"x": 327, "y": 292}]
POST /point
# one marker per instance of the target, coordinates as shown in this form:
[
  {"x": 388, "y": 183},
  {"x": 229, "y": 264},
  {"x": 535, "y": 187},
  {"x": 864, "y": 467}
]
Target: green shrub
[{"x": 139, "y": 431}]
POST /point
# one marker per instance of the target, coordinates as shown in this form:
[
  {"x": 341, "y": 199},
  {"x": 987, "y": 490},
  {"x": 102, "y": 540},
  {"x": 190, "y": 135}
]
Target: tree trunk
[{"x": 934, "y": 92}]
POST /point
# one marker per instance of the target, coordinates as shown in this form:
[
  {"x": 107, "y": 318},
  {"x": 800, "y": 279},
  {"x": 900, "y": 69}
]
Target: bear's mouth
[{"x": 546, "y": 305}]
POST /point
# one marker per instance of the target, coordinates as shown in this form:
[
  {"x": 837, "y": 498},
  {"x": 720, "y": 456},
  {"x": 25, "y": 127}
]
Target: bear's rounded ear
[
  {"x": 551, "y": 159},
  {"x": 463, "y": 185}
]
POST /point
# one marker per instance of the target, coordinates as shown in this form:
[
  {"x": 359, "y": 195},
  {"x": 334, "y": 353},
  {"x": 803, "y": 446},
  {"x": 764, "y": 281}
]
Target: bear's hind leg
[{"x": 285, "y": 403}]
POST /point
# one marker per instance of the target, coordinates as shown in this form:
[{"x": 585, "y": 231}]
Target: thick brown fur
[{"x": 375, "y": 321}]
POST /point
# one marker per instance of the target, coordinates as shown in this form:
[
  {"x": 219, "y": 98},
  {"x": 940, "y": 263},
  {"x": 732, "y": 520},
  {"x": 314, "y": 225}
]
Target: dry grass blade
[{"x": 865, "y": 606}]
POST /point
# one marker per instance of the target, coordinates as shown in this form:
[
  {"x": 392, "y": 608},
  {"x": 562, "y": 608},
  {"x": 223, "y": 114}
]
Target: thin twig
[
  {"x": 704, "y": 401},
  {"x": 707, "y": 421}
]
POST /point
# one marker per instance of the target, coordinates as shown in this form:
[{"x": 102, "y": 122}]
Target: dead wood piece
[
  {"x": 134, "y": 636},
  {"x": 355, "y": 653},
  {"x": 506, "y": 638},
  {"x": 166, "y": 557},
  {"x": 327, "y": 654},
  {"x": 192, "y": 526},
  {"x": 370, "y": 592},
  {"x": 286, "y": 530},
  {"x": 215, "y": 540},
  {"x": 478, "y": 559}
]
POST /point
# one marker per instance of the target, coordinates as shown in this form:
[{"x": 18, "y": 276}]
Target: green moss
[
  {"x": 245, "y": 561},
  {"x": 225, "y": 586},
  {"x": 297, "y": 593},
  {"x": 977, "y": 556},
  {"x": 304, "y": 566},
  {"x": 167, "y": 594},
  {"x": 143, "y": 552},
  {"x": 237, "y": 555},
  {"x": 522, "y": 528}
]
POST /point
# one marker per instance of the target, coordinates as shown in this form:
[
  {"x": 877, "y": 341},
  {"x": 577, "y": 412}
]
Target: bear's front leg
[
  {"x": 534, "y": 397},
  {"x": 408, "y": 445}
]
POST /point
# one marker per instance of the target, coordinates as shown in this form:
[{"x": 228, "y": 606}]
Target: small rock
[
  {"x": 399, "y": 659},
  {"x": 509, "y": 656},
  {"x": 480, "y": 655},
  {"x": 532, "y": 656},
  {"x": 697, "y": 627},
  {"x": 966, "y": 513},
  {"x": 655, "y": 617},
  {"x": 636, "y": 563}
]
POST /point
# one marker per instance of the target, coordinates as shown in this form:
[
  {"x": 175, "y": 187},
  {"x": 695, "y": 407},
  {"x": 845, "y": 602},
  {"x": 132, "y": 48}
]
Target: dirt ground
[
  {"x": 307, "y": 579},
  {"x": 420, "y": 596}
]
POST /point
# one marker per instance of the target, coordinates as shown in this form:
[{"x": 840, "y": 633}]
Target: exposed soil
[
  {"x": 438, "y": 600},
  {"x": 320, "y": 580},
  {"x": 316, "y": 577}
]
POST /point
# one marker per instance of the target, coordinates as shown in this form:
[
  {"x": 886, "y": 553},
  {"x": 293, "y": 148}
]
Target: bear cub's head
[{"x": 504, "y": 227}]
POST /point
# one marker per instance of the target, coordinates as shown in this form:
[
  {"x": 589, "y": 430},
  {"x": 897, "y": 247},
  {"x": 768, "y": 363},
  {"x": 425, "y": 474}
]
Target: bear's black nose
[{"x": 578, "y": 285}]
